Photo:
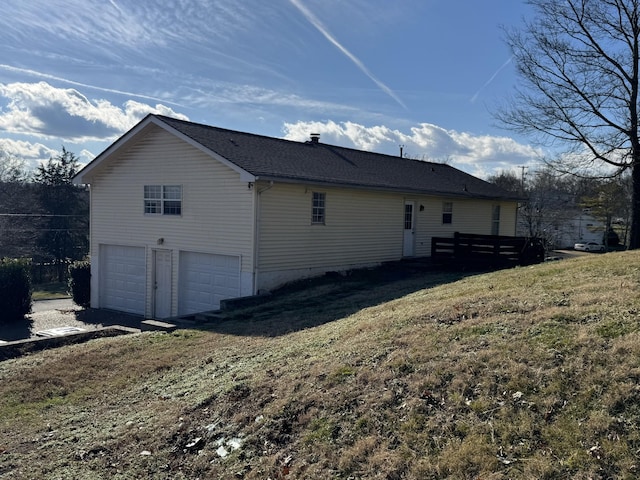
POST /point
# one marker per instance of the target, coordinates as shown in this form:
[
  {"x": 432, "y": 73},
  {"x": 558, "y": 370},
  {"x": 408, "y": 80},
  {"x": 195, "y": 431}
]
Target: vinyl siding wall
[
  {"x": 361, "y": 228},
  {"x": 217, "y": 209},
  {"x": 469, "y": 216}
]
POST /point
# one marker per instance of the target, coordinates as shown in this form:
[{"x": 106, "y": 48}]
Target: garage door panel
[
  {"x": 205, "y": 280},
  {"x": 122, "y": 278}
]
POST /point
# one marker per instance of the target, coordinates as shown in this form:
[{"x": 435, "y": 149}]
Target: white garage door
[
  {"x": 122, "y": 278},
  {"x": 205, "y": 279}
]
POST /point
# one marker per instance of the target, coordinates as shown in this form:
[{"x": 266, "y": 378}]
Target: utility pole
[{"x": 523, "y": 168}]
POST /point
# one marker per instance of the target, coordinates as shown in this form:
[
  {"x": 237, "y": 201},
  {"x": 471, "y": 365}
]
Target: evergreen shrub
[
  {"x": 80, "y": 282},
  {"x": 15, "y": 289}
]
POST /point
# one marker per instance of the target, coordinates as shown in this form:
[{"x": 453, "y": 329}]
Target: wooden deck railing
[{"x": 464, "y": 249}]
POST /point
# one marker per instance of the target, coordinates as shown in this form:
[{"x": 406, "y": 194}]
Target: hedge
[
  {"x": 80, "y": 282},
  {"x": 15, "y": 289}
]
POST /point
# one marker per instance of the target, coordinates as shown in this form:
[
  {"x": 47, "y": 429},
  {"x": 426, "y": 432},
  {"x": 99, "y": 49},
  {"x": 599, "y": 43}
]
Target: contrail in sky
[
  {"x": 47, "y": 76},
  {"x": 504, "y": 65},
  {"x": 114, "y": 5},
  {"x": 323, "y": 30}
]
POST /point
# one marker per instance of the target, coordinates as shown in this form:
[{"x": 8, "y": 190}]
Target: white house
[
  {"x": 580, "y": 227},
  {"x": 184, "y": 215}
]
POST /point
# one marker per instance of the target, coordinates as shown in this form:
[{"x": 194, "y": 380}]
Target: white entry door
[
  {"x": 161, "y": 283},
  {"x": 408, "y": 248}
]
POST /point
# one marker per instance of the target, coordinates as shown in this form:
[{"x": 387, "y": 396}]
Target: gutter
[{"x": 382, "y": 188}]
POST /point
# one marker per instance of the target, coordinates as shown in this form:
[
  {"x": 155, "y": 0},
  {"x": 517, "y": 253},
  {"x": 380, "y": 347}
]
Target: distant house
[
  {"x": 184, "y": 215},
  {"x": 580, "y": 227}
]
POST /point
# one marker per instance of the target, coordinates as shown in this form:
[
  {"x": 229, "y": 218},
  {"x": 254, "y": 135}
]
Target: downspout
[
  {"x": 94, "y": 279},
  {"x": 256, "y": 239}
]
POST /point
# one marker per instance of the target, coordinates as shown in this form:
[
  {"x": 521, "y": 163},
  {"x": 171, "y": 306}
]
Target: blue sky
[{"x": 368, "y": 74}]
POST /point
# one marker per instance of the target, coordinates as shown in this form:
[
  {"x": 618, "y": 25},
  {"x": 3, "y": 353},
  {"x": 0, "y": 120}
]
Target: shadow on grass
[
  {"x": 295, "y": 307},
  {"x": 311, "y": 303}
]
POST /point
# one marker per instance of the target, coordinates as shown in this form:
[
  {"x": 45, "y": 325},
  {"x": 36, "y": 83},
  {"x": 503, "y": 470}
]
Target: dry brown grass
[{"x": 525, "y": 373}]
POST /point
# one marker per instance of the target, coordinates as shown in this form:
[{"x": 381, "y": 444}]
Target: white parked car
[{"x": 589, "y": 247}]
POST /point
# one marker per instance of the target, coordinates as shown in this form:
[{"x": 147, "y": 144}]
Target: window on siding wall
[
  {"x": 163, "y": 199},
  {"x": 447, "y": 212},
  {"x": 495, "y": 220},
  {"x": 318, "y": 208}
]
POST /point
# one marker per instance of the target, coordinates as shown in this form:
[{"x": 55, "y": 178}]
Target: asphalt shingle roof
[{"x": 314, "y": 162}]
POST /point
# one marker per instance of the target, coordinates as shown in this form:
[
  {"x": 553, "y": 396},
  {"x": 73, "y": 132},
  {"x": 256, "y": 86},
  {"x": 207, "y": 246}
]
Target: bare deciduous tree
[
  {"x": 12, "y": 169},
  {"x": 579, "y": 62}
]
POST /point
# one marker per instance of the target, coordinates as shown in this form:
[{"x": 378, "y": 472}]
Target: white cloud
[
  {"x": 31, "y": 153},
  {"x": 480, "y": 155},
  {"x": 44, "y": 111},
  {"x": 77, "y": 21},
  {"x": 222, "y": 95},
  {"x": 34, "y": 154},
  {"x": 54, "y": 78},
  {"x": 344, "y": 133},
  {"x": 85, "y": 156},
  {"x": 127, "y": 25}
]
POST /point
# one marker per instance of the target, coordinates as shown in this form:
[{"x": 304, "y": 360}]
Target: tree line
[
  {"x": 552, "y": 200},
  {"x": 579, "y": 66},
  {"x": 43, "y": 216}
]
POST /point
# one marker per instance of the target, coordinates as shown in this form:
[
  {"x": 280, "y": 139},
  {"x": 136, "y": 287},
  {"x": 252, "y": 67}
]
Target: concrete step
[{"x": 157, "y": 325}]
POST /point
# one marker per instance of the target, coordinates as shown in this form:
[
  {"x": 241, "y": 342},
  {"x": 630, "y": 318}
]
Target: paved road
[{"x": 48, "y": 305}]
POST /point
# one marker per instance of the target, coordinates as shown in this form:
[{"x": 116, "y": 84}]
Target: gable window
[
  {"x": 318, "y": 208},
  {"x": 447, "y": 212},
  {"x": 163, "y": 199},
  {"x": 495, "y": 220}
]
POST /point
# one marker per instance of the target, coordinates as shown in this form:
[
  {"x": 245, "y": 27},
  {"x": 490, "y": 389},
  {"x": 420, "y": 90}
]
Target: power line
[
  {"x": 37, "y": 215},
  {"x": 27, "y": 230}
]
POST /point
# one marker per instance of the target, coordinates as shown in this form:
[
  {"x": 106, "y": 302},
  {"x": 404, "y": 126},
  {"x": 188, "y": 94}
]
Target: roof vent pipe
[{"x": 315, "y": 138}]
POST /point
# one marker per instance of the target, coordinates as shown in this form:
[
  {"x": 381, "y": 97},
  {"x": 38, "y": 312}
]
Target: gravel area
[{"x": 47, "y": 314}]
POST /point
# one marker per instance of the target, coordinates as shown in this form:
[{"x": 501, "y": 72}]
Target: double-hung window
[
  {"x": 318, "y": 208},
  {"x": 447, "y": 212},
  {"x": 163, "y": 199}
]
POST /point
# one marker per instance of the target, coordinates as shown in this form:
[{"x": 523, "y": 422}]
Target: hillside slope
[{"x": 525, "y": 373}]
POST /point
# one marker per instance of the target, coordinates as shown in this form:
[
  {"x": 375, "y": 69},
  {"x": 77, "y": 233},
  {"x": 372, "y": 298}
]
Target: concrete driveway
[{"x": 48, "y": 314}]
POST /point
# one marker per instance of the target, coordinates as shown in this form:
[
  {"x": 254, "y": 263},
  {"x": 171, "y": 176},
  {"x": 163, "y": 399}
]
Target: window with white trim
[
  {"x": 318, "y": 208},
  {"x": 447, "y": 212},
  {"x": 163, "y": 199},
  {"x": 495, "y": 220}
]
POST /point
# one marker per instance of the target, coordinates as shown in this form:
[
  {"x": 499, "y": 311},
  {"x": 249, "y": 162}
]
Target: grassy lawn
[
  {"x": 50, "y": 291},
  {"x": 519, "y": 374}
]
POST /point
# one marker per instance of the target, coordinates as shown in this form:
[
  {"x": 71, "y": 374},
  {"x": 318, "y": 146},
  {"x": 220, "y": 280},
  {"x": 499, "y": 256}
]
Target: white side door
[
  {"x": 161, "y": 283},
  {"x": 408, "y": 248}
]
